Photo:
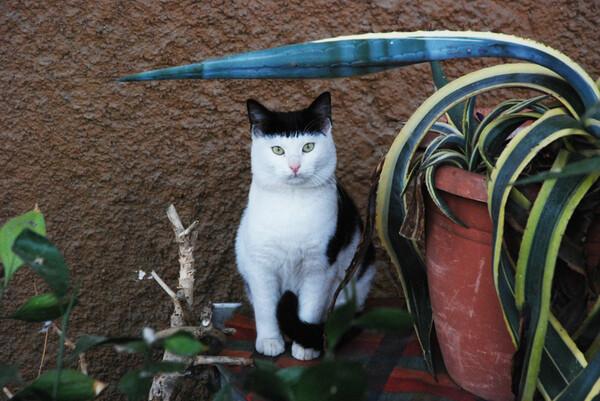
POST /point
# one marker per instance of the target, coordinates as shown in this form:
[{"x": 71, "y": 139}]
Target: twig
[
  {"x": 7, "y": 392},
  {"x": 196, "y": 331},
  {"x": 43, "y": 353},
  {"x": 224, "y": 360},
  {"x": 179, "y": 301},
  {"x": 164, "y": 385},
  {"x": 71, "y": 344}
]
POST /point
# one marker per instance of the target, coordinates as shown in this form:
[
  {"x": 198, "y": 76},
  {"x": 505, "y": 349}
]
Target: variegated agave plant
[{"x": 560, "y": 365}]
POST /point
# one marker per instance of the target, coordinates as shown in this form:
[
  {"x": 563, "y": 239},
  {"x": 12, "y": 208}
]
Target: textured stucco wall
[{"x": 103, "y": 160}]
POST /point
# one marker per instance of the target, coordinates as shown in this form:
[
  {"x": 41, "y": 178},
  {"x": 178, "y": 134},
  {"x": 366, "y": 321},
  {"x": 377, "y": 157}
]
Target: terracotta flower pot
[{"x": 473, "y": 336}]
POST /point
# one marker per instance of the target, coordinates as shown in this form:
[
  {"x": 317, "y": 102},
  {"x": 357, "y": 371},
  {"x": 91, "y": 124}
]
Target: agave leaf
[
  {"x": 469, "y": 126},
  {"x": 440, "y": 80},
  {"x": 537, "y": 259},
  {"x": 580, "y": 167},
  {"x": 586, "y": 386},
  {"x": 529, "y": 104},
  {"x": 445, "y": 156},
  {"x": 444, "y": 142},
  {"x": 437, "y": 198},
  {"x": 589, "y": 329},
  {"x": 561, "y": 359},
  {"x": 363, "y": 54},
  {"x": 492, "y": 139},
  {"x": 445, "y": 129}
]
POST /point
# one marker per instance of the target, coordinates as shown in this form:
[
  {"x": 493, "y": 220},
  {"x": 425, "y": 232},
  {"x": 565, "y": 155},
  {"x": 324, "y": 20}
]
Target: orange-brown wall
[{"x": 103, "y": 160}]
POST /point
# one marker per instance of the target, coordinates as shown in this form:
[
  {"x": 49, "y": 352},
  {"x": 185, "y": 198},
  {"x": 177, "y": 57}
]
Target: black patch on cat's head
[{"x": 315, "y": 119}]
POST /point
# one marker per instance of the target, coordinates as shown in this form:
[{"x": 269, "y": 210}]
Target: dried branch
[
  {"x": 224, "y": 360},
  {"x": 365, "y": 239},
  {"x": 179, "y": 301},
  {"x": 164, "y": 385}
]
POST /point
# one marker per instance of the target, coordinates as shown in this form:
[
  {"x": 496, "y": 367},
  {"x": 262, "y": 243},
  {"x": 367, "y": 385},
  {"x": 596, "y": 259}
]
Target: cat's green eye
[
  {"x": 308, "y": 147},
  {"x": 278, "y": 150}
]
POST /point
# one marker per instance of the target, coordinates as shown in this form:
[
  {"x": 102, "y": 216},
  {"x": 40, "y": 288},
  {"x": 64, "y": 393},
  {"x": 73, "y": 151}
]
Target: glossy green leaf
[
  {"x": 43, "y": 257},
  {"x": 8, "y": 374},
  {"x": 135, "y": 385},
  {"x": 73, "y": 386},
  {"x": 184, "y": 344},
  {"x": 339, "y": 322},
  {"x": 291, "y": 374},
  {"x": 384, "y": 319},
  {"x": 332, "y": 381},
  {"x": 41, "y": 308},
  {"x": 34, "y": 221},
  {"x": 266, "y": 383},
  {"x": 85, "y": 343},
  {"x": 155, "y": 368},
  {"x": 225, "y": 393}
]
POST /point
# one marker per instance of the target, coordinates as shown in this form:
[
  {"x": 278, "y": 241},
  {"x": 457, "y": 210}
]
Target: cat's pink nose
[{"x": 295, "y": 168}]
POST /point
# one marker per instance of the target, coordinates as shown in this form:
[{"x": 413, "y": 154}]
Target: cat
[{"x": 299, "y": 230}]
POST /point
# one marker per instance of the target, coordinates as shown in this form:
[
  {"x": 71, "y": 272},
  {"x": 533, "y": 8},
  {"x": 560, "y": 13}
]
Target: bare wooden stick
[
  {"x": 7, "y": 391},
  {"x": 179, "y": 301},
  {"x": 82, "y": 363},
  {"x": 224, "y": 360},
  {"x": 365, "y": 239},
  {"x": 164, "y": 385}
]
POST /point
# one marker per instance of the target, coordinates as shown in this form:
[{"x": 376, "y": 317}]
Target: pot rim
[{"x": 462, "y": 183}]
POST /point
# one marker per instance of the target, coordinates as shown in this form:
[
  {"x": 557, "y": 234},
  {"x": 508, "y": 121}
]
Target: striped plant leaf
[
  {"x": 437, "y": 198},
  {"x": 445, "y": 156},
  {"x": 493, "y": 138},
  {"x": 561, "y": 360},
  {"x": 444, "y": 129},
  {"x": 586, "y": 386},
  {"x": 589, "y": 329},
  {"x": 469, "y": 125},
  {"x": 456, "y": 112},
  {"x": 584, "y": 166},
  {"x": 368, "y": 53},
  {"x": 549, "y": 216}
]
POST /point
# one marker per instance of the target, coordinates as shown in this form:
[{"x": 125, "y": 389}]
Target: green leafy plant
[
  {"x": 571, "y": 365},
  {"x": 22, "y": 241}
]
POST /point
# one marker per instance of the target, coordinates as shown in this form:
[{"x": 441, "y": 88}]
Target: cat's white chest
[{"x": 291, "y": 222}]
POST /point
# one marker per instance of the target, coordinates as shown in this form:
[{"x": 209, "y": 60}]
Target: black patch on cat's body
[
  {"x": 313, "y": 120},
  {"x": 348, "y": 223}
]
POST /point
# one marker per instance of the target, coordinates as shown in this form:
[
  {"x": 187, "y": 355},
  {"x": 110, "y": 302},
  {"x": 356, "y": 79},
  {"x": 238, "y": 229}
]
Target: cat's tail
[{"x": 308, "y": 335}]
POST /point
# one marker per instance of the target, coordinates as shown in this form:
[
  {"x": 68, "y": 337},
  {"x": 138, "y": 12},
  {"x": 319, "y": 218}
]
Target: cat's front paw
[
  {"x": 304, "y": 354},
  {"x": 270, "y": 346}
]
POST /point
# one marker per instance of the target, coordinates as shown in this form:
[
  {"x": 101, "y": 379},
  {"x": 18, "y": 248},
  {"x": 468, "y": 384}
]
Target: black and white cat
[{"x": 300, "y": 228}]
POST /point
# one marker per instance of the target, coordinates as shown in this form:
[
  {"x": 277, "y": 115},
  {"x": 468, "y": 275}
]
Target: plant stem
[{"x": 61, "y": 345}]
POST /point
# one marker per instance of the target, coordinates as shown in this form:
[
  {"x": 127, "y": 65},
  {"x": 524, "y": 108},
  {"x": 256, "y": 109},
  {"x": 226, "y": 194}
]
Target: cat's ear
[
  {"x": 258, "y": 114},
  {"x": 321, "y": 111}
]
